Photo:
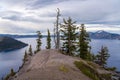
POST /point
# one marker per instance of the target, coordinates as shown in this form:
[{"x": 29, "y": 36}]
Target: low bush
[
  {"x": 86, "y": 70},
  {"x": 63, "y": 68}
]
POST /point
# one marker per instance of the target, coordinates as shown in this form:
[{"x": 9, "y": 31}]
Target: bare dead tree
[{"x": 56, "y": 31}]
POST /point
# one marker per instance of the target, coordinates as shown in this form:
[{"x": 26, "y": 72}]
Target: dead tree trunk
[{"x": 56, "y": 31}]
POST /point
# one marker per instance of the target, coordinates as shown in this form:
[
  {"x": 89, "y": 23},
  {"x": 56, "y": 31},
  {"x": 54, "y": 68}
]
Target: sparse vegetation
[
  {"x": 25, "y": 57},
  {"x": 39, "y": 43},
  {"x": 92, "y": 64},
  {"x": 111, "y": 68},
  {"x": 102, "y": 57},
  {"x": 91, "y": 71},
  {"x": 86, "y": 70},
  {"x": 63, "y": 68},
  {"x": 12, "y": 73},
  {"x": 30, "y": 51},
  {"x": 48, "y": 41}
]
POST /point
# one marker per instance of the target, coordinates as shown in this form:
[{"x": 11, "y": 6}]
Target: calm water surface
[{"x": 13, "y": 59}]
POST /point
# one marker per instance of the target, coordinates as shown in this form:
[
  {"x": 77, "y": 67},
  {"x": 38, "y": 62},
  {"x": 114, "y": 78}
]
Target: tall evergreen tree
[
  {"x": 48, "y": 40},
  {"x": 68, "y": 32},
  {"x": 56, "y": 30},
  {"x": 84, "y": 48},
  {"x": 102, "y": 56},
  {"x": 39, "y": 43},
  {"x": 30, "y": 50}
]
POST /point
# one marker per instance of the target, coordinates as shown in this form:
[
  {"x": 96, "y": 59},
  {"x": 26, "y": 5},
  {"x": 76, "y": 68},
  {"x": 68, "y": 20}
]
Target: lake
[{"x": 13, "y": 59}]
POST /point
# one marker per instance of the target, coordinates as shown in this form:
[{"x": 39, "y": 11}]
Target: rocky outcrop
[{"x": 52, "y": 65}]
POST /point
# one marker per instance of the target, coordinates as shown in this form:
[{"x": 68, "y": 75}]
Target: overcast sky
[{"x": 28, "y": 16}]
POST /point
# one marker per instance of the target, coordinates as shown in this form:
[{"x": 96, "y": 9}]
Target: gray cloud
[
  {"x": 35, "y": 4},
  {"x": 11, "y": 28},
  {"x": 94, "y": 11},
  {"x": 43, "y": 12}
]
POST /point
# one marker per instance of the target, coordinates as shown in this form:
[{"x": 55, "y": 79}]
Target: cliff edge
[{"x": 52, "y": 65}]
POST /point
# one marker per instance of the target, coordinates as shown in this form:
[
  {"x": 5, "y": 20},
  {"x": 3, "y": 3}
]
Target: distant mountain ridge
[
  {"x": 103, "y": 35},
  {"x": 20, "y": 36},
  {"x": 94, "y": 35}
]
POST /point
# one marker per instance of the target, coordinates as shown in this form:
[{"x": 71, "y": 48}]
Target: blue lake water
[{"x": 13, "y": 59}]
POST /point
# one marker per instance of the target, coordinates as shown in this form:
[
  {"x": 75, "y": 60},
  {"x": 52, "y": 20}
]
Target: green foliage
[
  {"x": 90, "y": 71},
  {"x": 92, "y": 64},
  {"x": 69, "y": 34},
  {"x": 39, "y": 43},
  {"x": 86, "y": 70},
  {"x": 48, "y": 41},
  {"x": 102, "y": 56},
  {"x": 25, "y": 56},
  {"x": 93, "y": 57},
  {"x": 111, "y": 68},
  {"x": 84, "y": 48},
  {"x": 105, "y": 77},
  {"x": 30, "y": 50},
  {"x": 12, "y": 73}
]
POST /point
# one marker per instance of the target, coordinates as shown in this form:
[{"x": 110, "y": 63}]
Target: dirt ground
[{"x": 50, "y": 65}]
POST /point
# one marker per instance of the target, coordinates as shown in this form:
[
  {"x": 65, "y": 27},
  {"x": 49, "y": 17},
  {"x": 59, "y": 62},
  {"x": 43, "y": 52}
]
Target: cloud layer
[{"x": 28, "y": 16}]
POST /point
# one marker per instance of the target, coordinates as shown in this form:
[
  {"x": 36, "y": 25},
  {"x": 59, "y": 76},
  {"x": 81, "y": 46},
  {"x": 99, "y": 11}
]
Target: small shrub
[
  {"x": 106, "y": 76},
  {"x": 91, "y": 64},
  {"x": 91, "y": 71},
  {"x": 111, "y": 68},
  {"x": 63, "y": 68},
  {"x": 11, "y": 74}
]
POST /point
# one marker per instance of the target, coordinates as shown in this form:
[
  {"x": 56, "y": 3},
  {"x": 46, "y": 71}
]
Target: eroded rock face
[{"x": 7, "y": 44}]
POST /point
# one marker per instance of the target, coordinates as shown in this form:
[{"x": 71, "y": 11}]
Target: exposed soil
[{"x": 50, "y": 65}]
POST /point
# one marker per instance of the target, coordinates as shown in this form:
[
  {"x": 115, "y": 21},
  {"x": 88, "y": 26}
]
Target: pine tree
[
  {"x": 84, "y": 48},
  {"x": 102, "y": 56},
  {"x": 39, "y": 43},
  {"x": 68, "y": 32},
  {"x": 48, "y": 41},
  {"x": 12, "y": 73},
  {"x": 25, "y": 56},
  {"x": 56, "y": 31},
  {"x": 30, "y": 50}
]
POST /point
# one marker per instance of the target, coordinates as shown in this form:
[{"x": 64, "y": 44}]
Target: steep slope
[
  {"x": 7, "y": 43},
  {"x": 50, "y": 65}
]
